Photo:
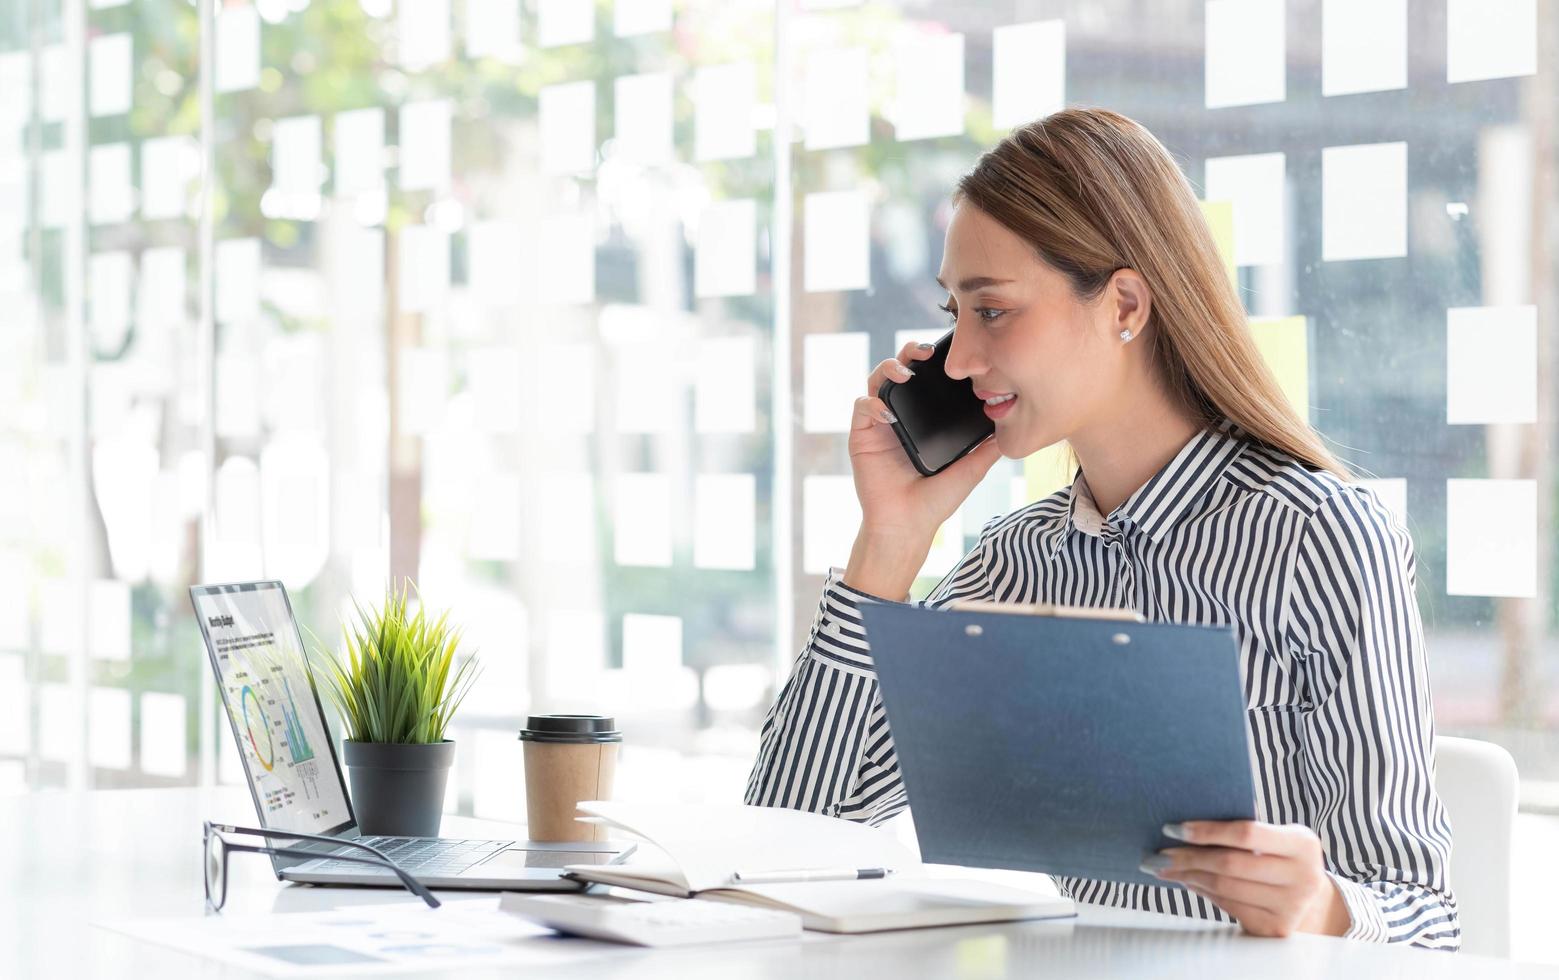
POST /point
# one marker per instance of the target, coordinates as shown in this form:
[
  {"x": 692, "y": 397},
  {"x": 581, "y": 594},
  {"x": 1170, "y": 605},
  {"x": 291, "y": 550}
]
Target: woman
[{"x": 1090, "y": 305}]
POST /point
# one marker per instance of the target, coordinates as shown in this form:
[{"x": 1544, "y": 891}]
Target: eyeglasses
[{"x": 216, "y": 845}]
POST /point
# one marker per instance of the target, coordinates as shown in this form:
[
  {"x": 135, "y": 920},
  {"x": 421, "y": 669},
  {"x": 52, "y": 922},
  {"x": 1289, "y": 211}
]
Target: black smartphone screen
[{"x": 939, "y": 419}]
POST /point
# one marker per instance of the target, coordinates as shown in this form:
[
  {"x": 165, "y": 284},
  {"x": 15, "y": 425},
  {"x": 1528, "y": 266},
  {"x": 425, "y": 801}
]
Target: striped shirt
[{"x": 1317, "y": 579}]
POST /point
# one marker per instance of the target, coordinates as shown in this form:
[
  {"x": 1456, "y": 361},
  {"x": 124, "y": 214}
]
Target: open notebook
[{"x": 706, "y": 844}]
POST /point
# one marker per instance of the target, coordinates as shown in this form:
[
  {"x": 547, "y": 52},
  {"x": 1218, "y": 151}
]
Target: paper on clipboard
[{"x": 1046, "y": 609}]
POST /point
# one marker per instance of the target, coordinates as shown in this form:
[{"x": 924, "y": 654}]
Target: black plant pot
[{"x": 398, "y": 789}]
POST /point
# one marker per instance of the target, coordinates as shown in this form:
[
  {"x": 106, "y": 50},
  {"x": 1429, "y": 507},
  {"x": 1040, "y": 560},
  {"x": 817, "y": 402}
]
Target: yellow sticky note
[
  {"x": 1284, "y": 343},
  {"x": 1047, "y": 471},
  {"x": 1220, "y": 221}
]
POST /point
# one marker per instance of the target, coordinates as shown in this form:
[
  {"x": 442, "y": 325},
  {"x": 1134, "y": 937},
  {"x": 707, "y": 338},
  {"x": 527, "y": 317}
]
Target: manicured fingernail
[
  {"x": 1175, "y": 830},
  {"x": 889, "y": 417},
  {"x": 1154, "y": 863},
  {"x": 906, "y": 371},
  {"x": 926, "y": 346}
]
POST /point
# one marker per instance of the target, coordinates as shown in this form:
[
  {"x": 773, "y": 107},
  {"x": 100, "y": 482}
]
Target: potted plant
[{"x": 395, "y": 692}]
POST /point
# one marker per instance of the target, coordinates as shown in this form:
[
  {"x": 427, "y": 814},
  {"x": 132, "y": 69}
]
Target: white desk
[{"x": 71, "y": 859}]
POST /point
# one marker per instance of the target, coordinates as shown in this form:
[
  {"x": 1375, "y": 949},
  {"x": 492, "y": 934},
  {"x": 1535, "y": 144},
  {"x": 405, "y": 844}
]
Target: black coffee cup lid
[{"x": 570, "y": 728}]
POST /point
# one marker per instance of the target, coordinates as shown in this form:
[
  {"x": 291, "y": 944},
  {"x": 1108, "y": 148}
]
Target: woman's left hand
[{"x": 1270, "y": 877}]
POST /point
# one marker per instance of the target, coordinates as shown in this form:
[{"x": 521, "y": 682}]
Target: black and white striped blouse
[{"x": 1317, "y": 578}]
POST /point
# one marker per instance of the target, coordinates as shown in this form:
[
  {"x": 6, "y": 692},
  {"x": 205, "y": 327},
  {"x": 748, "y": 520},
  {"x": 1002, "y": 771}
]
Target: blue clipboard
[{"x": 1061, "y": 745}]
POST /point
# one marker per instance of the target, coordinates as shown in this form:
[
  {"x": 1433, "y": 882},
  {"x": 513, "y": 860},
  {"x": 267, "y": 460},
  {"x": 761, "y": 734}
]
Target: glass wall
[{"x": 558, "y": 307}]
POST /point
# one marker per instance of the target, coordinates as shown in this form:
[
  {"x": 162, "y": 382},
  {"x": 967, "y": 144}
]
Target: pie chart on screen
[{"x": 267, "y": 758}]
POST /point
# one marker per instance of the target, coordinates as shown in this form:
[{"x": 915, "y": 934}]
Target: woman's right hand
[{"x": 898, "y": 504}]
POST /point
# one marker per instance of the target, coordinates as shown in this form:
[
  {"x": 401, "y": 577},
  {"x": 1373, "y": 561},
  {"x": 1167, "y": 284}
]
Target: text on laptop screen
[{"x": 265, "y": 687}]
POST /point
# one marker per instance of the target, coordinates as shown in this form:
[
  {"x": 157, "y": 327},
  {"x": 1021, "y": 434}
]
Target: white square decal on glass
[
  {"x": 834, "y": 370},
  {"x": 423, "y": 268},
  {"x": 567, "y": 519},
  {"x": 168, "y": 165},
  {"x": 1255, "y": 186},
  {"x": 58, "y": 198},
  {"x": 833, "y": 98},
  {"x": 1028, "y": 72},
  {"x": 652, "y": 663},
  {"x": 724, "y": 514},
  {"x": 359, "y": 142},
  {"x": 490, "y": 378},
  {"x": 564, "y": 22},
  {"x": 493, "y": 533},
  {"x": 651, "y": 392},
  {"x": 830, "y": 516},
  {"x": 425, "y": 135},
  {"x": 838, "y": 241},
  {"x": 1490, "y": 39},
  {"x": 423, "y": 388},
  {"x": 567, "y": 114},
  {"x": 492, "y": 256},
  {"x": 1363, "y": 46},
  {"x": 1246, "y": 53},
  {"x": 725, "y": 262},
  {"x": 576, "y": 652},
  {"x": 108, "y": 619},
  {"x": 59, "y": 723},
  {"x": 1392, "y": 492},
  {"x": 725, "y": 389},
  {"x": 929, "y": 97},
  {"x": 164, "y": 749},
  {"x": 108, "y": 727},
  {"x": 493, "y": 30},
  {"x": 159, "y": 299},
  {"x": 296, "y": 146},
  {"x": 642, "y": 520},
  {"x": 723, "y": 98},
  {"x": 947, "y": 547},
  {"x": 237, "y": 280},
  {"x": 643, "y": 118},
  {"x": 15, "y": 706},
  {"x": 422, "y": 33},
  {"x": 632, "y": 17},
  {"x": 237, "y": 48},
  {"x": 108, "y": 184},
  {"x": 59, "y": 84},
  {"x": 651, "y": 644},
  {"x": 1491, "y": 365},
  {"x": 111, "y": 60},
  {"x": 1364, "y": 201},
  {"x": 565, "y": 392},
  {"x": 108, "y": 296},
  {"x": 1491, "y": 538},
  {"x": 568, "y": 261}
]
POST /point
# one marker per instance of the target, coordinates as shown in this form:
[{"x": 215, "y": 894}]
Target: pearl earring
[{"x": 1125, "y": 336}]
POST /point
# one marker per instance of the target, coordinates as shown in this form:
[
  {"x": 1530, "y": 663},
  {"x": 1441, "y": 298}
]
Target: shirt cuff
[
  {"x": 1368, "y": 921},
  {"x": 835, "y": 581},
  {"x": 838, "y": 635}
]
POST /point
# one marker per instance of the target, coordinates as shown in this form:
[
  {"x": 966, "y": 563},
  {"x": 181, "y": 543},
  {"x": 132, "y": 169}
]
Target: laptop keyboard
[{"x": 432, "y": 856}]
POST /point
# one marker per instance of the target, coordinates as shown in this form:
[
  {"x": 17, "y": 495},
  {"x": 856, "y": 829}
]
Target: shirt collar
[{"x": 1161, "y": 502}]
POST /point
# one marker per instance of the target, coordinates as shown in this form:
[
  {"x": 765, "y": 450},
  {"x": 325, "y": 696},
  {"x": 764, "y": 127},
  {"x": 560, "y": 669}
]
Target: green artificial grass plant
[{"x": 397, "y": 684}]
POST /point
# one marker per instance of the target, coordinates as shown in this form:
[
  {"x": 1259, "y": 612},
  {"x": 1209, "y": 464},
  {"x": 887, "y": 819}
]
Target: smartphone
[{"x": 939, "y": 419}]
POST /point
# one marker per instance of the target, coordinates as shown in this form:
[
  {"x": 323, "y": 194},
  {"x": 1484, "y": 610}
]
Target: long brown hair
[{"x": 1095, "y": 192}]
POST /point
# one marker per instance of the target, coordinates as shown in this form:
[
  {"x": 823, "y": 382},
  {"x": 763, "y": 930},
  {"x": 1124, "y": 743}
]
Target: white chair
[{"x": 1477, "y": 782}]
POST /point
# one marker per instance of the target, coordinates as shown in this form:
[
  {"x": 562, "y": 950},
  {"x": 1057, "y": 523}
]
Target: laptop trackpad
[{"x": 515, "y": 858}]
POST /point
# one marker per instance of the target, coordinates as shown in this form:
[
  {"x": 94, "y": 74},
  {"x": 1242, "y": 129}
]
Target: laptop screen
[{"x": 258, "y": 656}]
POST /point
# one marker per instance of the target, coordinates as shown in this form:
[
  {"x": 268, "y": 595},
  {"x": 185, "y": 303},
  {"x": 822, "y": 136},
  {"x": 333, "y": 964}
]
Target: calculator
[{"x": 667, "y": 922}]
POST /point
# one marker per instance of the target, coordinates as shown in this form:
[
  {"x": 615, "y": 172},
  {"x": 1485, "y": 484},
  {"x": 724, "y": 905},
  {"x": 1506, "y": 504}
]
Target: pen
[{"x": 807, "y": 874}]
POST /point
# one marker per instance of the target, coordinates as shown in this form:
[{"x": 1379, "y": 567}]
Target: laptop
[{"x": 290, "y": 762}]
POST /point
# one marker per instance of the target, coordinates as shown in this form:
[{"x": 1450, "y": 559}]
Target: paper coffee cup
[{"x": 568, "y": 758}]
